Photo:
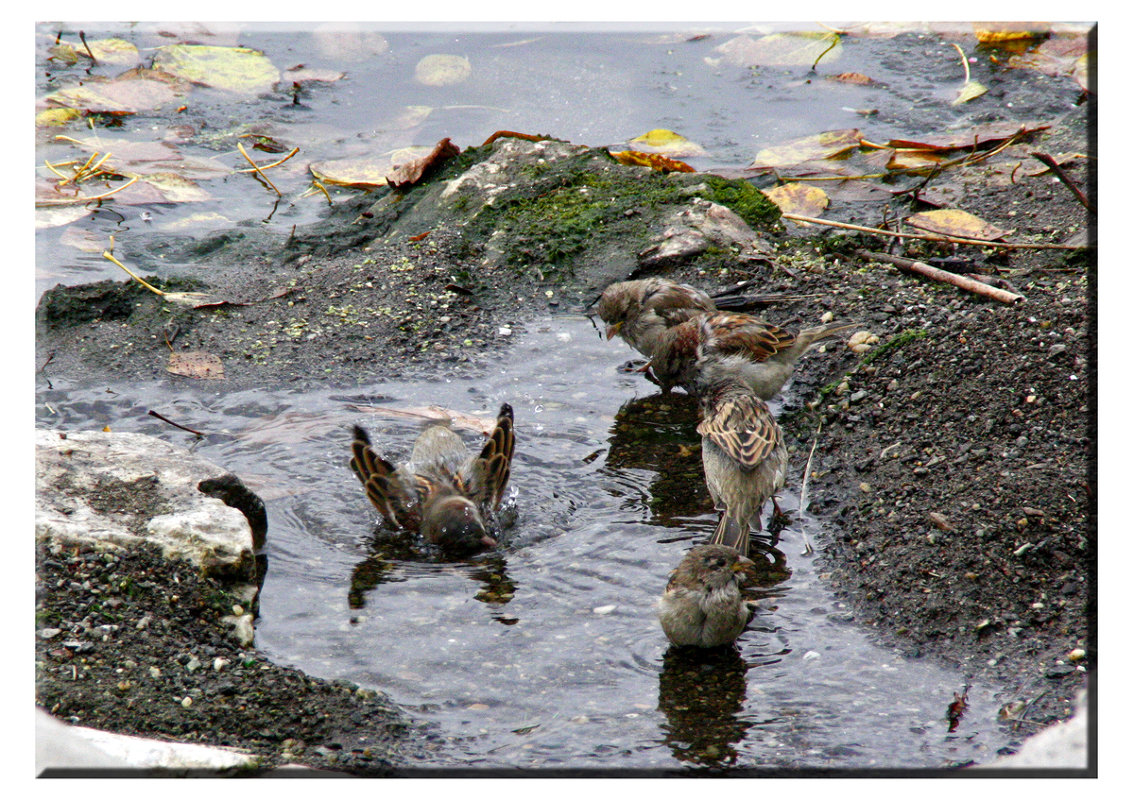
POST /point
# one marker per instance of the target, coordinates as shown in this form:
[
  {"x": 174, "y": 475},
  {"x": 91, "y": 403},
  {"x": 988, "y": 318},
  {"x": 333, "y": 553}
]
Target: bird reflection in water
[
  {"x": 388, "y": 566},
  {"x": 702, "y": 691}
]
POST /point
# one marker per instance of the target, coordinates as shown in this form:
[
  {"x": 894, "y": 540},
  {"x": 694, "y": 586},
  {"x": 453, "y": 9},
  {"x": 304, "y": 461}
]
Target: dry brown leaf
[
  {"x": 412, "y": 172},
  {"x": 656, "y": 161},
  {"x": 797, "y": 198},
  {"x": 823, "y": 145},
  {"x": 993, "y": 133},
  {"x": 954, "y": 222},
  {"x": 851, "y": 77},
  {"x": 195, "y": 364}
]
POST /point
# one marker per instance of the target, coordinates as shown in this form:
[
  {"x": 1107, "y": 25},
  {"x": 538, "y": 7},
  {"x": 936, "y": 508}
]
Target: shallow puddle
[{"x": 546, "y": 652}]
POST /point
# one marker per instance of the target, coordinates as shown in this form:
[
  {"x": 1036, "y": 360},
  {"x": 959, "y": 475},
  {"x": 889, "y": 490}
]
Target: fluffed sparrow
[
  {"x": 702, "y": 605},
  {"x": 742, "y": 451},
  {"x": 443, "y": 491}
]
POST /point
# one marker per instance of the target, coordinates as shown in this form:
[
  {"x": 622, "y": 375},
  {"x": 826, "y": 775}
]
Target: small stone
[
  {"x": 187, "y": 702},
  {"x": 604, "y": 610},
  {"x": 220, "y": 663},
  {"x": 864, "y": 487},
  {"x": 192, "y": 664},
  {"x": 155, "y": 672},
  {"x": 505, "y": 331},
  {"x": 939, "y": 520},
  {"x": 47, "y": 634},
  {"x": 1076, "y": 654},
  {"x": 858, "y": 396},
  {"x": 810, "y": 656}
]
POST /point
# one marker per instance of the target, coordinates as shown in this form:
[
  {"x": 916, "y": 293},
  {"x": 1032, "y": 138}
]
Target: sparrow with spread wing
[{"x": 444, "y": 492}]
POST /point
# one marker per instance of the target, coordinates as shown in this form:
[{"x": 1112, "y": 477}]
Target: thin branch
[
  {"x": 944, "y": 276},
  {"x": 964, "y": 60},
  {"x": 81, "y": 199},
  {"x": 957, "y": 240},
  {"x": 807, "y": 548},
  {"x": 834, "y": 41},
  {"x": 273, "y": 164},
  {"x": 256, "y": 168},
  {"x": 152, "y": 413},
  {"x": 1055, "y": 167}
]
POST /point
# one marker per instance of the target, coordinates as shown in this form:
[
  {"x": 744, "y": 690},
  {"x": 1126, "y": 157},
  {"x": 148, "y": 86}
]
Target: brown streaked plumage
[
  {"x": 702, "y": 605},
  {"x": 742, "y": 451},
  {"x": 443, "y": 491},
  {"x": 667, "y": 322}
]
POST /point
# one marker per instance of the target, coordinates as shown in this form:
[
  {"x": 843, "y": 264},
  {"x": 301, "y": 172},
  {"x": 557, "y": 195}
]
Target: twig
[
  {"x": 1055, "y": 167},
  {"x": 109, "y": 256},
  {"x": 83, "y": 39},
  {"x": 807, "y": 548},
  {"x": 834, "y": 41},
  {"x": 152, "y": 413},
  {"x": 964, "y": 61},
  {"x": 957, "y": 240},
  {"x": 273, "y": 164},
  {"x": 87, "y": 199},
  {"x": 322, "y": 189},
  {"x": 256, "y": 168},
  {"x": 962, "y": 281}
]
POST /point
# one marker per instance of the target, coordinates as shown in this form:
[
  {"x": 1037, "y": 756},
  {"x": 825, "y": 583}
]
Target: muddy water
[{"x": 546, "y": 652}]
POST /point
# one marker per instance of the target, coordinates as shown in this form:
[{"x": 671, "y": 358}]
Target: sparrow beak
[
  {"x": 613, "y": 329},
  {"x": 741, "y": 564}
]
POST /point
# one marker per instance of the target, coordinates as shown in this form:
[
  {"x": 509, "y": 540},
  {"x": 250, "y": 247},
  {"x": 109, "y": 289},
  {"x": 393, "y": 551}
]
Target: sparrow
[
  {"x": 444, "y": 492},
  {"x": 742, "y": 450},
  {"x": 640, "y": 311},
  {"x": 761, "y": 354},
  {"x": 662, "y": 320},
  {"x": 702, "y": 605}
]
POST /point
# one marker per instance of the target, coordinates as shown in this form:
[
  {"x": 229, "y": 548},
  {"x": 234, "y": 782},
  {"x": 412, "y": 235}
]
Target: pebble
[
  {"x": 604, "y": 610},
  {"x": 47, "y": 634}
]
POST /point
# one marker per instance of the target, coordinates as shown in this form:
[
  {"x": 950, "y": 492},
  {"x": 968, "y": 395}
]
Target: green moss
[
  {"x": 749, "y": 203},
  {"x": 895, "y": 342}
]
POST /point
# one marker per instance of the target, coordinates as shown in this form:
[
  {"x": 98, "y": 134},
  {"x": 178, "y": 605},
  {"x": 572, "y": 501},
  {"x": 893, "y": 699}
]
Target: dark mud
[{"x": 953, "y": 473}]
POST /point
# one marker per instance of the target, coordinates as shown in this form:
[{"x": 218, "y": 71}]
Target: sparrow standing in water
[
  {"x": 761, "y": 354},
  {"x": 742, "y": 450},
  {"x": 702, "y": 605},
  {"x": 443, "y": 492},
  {"x": 665, "y": 322}
]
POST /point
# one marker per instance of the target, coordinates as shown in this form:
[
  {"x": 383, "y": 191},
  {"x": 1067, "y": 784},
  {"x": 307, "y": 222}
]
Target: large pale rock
[
  {"x": 1063, "y": 745},
  {"x": 118, "y": 489},
  {"x": 693, "y": 229},
  {"x": 61, "y": 747}
]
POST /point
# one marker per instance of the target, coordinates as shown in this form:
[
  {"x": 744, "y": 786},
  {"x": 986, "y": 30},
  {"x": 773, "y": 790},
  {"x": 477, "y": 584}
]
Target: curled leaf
[
  {"x": 662, "y": 140},
  {"x": 656, "y": 161},
  {"x": 412, "y": 172}
]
